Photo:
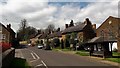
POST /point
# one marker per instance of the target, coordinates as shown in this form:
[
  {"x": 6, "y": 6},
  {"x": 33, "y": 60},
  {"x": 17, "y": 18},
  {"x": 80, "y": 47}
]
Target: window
[{"x": 2, "y": 36}]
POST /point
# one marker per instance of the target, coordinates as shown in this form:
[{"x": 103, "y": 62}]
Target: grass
[
  {"x": 116, "y": 54},
  {"x": 67, "y": 49},
  {"x": 59, "y": 49},
  {"x": 19, "y": 63},
  {"x": 82, "y": 53},
  {"x": 115, "y": 58}
]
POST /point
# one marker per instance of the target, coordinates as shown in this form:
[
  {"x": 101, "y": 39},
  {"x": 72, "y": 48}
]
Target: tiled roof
[
  {"x": 39, "y": 35},
  {"x": 58, "y": 34},
  {"x": 1, "y": 25},
  {"x": 74, "y": 28},
  {"x": 55, "y": 34},
  {"x": 43, "y": 36},
  {"x": 102, "y": 39}
]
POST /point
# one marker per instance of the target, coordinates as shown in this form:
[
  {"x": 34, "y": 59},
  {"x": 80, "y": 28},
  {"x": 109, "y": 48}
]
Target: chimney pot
[
  {"x": 71, "y": 23},
  {"x": 9, "y": 26},
  {"x": 66, "y": 25},
  {"x": 87, "y": 21},
  {"x": 94, "y": 26}
]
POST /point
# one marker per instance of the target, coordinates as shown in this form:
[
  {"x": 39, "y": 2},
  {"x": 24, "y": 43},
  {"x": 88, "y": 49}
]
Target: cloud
[
  {"x": 40, "y": 14},
  {"x": 98, "y": 12}
]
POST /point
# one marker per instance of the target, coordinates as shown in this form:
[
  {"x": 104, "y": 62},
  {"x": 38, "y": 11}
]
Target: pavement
[{"x": 38, "y": 58}]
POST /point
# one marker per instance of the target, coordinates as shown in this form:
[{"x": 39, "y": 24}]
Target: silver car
[{"x": 40, "y": 46}]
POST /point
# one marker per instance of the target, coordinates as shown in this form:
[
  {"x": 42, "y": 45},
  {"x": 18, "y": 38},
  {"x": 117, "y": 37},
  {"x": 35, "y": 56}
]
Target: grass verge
[
  {"x": 82, "y": 53},
  {"x": 115, "y": 58}
]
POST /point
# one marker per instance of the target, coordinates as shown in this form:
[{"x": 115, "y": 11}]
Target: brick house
[
  {"x": 55, "y": 34},
  {"x": 83, "y": 32},
  {"x": 7, "y": 34},
  {"x": 12, "y": 33},
  {"x": 4, "y": 34},
  {"x": 55, "y": 38},
  {"x": 110, "y": 29}
]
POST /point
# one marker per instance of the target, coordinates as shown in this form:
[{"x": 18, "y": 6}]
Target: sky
[{"x": 41, "y": 13}]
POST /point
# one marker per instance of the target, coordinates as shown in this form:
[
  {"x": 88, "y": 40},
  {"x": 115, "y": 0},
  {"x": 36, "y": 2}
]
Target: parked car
[
  {"x": 29, "y": 44},
  {"x": 87, "y": 48},
  {"x": 40, "y": 46}
]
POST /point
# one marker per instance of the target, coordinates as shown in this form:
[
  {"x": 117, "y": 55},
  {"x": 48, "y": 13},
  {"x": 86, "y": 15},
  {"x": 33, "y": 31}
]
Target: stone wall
[{"x": 7, "y": 57}]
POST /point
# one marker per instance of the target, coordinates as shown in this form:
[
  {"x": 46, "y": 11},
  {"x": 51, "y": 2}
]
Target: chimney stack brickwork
[{"x": 66, "y": 25}]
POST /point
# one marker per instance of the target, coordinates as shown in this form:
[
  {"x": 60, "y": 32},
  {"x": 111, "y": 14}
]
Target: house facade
[
  {"x": 110, "y": 29},
  {"x": 12, "y": 33},
  {"x": 4, "y": 34},
  {"x": 55, "y": 38},
  {"x": 82, "y": 32}
]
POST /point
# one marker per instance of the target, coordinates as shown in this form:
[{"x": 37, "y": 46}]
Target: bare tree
[
  {"x": 25, "y": 32},
  {"x": 50, "y": 28}
]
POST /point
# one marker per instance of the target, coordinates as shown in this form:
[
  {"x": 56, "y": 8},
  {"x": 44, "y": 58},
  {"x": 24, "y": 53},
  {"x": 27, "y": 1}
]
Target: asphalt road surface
[{"x": 38, "y": 58}]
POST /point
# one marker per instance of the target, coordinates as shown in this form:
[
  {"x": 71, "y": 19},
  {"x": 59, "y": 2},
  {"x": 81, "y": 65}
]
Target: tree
[
  {"x": 25, "y": 32},
  {"x": 50, "y": 27},
  {"x": 30, "y": 32},
  {"x": 21, "y": 31}
]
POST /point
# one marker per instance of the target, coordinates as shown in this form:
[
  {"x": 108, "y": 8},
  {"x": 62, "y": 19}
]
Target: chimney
[
  {"x": 58, "y": 29},
  {"x": 71, "y": 23},
  {"x": 9, "y": 26},
  {"x": 43, "y": 32},
  {"x": 94, "y": 26},
  {"x": 87, "y": 21},
  {"x": 66, "y": 25},
  {"x": 39, "y": 31}
]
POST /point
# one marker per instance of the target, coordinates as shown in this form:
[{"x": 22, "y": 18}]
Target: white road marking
[
  {"x": 37, "y": 59},
  {"x": 36, "y": 55},
  {"x": 38, "y": 65},
  {"x": 33, "y": 56},
  {"x": 44, "y": 64}
]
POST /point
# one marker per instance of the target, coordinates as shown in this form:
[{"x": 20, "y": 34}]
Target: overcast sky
[{"x": 39, "y": 14}]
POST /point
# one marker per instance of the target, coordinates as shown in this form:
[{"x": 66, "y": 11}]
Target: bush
[
  {"x": 5, "y": 46},
  {"x": 56, "y": 42}
]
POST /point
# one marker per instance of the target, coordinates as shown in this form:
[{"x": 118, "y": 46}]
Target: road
[{"x": 38, "y": 58}]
